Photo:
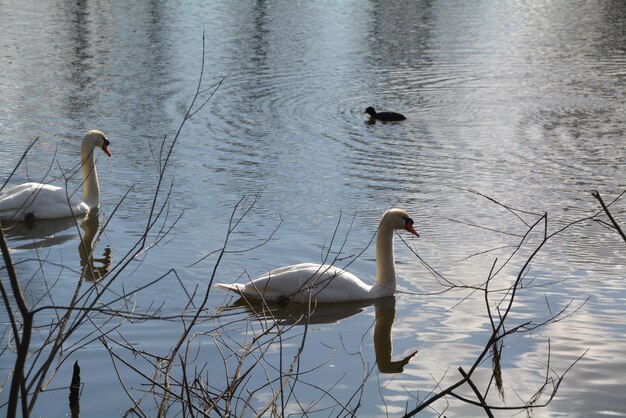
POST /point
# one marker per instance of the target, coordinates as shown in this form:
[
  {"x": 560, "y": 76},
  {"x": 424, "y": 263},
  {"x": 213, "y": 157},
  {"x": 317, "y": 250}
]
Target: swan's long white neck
[
  {"x": 385, "y": 262},
  {"x": 91, "y": 188}
]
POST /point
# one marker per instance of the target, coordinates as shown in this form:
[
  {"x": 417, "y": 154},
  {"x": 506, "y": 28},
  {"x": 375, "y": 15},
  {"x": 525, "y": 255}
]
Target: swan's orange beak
[
  {"x": 105, "y": 149},
  {"x": 409, "y": 227}
]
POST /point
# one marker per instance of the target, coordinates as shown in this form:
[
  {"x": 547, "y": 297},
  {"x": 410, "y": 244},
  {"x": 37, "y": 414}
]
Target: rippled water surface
[{"x": 522, "y": 102}]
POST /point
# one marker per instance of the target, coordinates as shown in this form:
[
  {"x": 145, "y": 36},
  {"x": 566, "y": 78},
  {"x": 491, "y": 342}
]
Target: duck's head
[
  {"x": 98, "y": 139},
  {"x": 370, "y": 111},
  {"x": 399, "y": 219}
]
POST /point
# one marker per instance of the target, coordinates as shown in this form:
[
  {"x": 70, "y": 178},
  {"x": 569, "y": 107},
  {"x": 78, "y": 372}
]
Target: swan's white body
[
  {"x": 45, "y": 201},
  {"x": 324, "y": 283}
]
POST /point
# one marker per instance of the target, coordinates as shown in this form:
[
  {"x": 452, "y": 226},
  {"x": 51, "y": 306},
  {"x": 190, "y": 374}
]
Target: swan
[
  {"x": 327, "y": 283},
  {"x": 30, "y": 201},
  {"x": 384, "y": 116}
]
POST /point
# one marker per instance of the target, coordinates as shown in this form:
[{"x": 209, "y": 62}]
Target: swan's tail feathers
[{"x": 234, "y": 287}]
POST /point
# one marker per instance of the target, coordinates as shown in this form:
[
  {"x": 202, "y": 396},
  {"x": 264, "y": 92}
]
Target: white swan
[
  {"x": 325, "y": 283},
  {"x": 31, "y": 201}
]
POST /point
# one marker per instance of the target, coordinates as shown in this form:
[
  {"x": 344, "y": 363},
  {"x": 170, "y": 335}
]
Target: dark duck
[{"x": 383, "y": 116}]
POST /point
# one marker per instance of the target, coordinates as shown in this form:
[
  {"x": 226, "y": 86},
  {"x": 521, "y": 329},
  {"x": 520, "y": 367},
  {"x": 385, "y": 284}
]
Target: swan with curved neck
[
  {"x": 326, "y": 283},
  {"x": 30, "y": 201}
]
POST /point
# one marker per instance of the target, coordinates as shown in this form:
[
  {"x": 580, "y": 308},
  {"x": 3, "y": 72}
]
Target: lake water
[{"x": 520, "y": 101}]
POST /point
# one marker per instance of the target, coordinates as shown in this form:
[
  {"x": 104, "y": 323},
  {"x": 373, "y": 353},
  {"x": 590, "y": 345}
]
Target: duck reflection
[
  {"x": 93, "y": 269},
  {"x": 331, "y": 313}
]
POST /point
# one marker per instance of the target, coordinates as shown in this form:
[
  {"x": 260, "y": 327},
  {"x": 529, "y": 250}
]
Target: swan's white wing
[
  {"x": 43, "y": 201},
  {"x": 15, "y": 202},
  {"x": 321, "y": 283},
  {"x": 21, "y": 187}
]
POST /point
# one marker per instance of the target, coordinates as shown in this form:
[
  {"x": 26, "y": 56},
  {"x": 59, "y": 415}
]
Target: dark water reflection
[
  {"x": 521, "y": 101},
  {"x": 40, "y": 234}
]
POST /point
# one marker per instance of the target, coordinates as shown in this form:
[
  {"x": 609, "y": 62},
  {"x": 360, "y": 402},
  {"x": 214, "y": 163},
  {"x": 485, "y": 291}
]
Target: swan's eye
[
  {"x": 106, "y": 142},
  {"x": 408, "y": 220}
]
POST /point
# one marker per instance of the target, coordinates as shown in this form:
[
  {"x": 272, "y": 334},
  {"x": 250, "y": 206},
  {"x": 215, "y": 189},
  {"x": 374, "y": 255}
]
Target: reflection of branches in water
[
  {"x": 496, "y": 376},
  {"x": 498, "y": 312},
  {"x": 75, "y": 392}
]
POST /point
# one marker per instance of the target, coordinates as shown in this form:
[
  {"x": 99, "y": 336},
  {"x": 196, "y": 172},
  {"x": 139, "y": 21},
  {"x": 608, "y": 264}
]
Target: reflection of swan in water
[
  {"x": 40, "y": 233},
  {"x": 385, "y": 314},
  {"x": 301, "y": 314},
  {"x": 44, "y": 233},
  {"x": 86, "y": 249}
]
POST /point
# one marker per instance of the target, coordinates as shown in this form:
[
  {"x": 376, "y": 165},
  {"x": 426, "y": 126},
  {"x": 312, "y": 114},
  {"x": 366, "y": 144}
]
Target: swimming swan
[
  {"x": 325, "y": 283},
  {"x": 31, "y": 201}
]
